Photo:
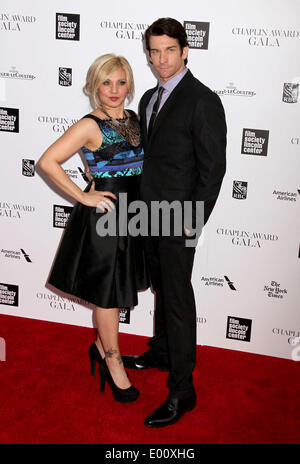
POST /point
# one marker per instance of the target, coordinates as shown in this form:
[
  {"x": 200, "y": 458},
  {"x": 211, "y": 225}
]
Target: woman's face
[{"x": 113, "y": 91}]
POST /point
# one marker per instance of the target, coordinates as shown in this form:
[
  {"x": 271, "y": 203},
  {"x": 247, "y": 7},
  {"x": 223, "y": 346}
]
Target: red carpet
[{"x": 48, "y": 396}]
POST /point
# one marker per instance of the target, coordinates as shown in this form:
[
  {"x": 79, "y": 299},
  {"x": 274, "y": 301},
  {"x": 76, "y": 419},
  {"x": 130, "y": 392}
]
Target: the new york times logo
[
  {"x": 274, "y": 291},
  {"x": 290, "y": 93},
  {"x": 255, "y": 142},
  {"x": 238, "y": 329},
  {"x": 67, "y": 26},
  {"x": 65, "y": 77},
  {"x": 28, "y": 169},
  {"x": 197, "y": 34},
  {"x": 239, "y": 190}
]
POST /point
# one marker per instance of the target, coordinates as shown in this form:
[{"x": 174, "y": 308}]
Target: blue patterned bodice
[{"x": 116, "y": 156}]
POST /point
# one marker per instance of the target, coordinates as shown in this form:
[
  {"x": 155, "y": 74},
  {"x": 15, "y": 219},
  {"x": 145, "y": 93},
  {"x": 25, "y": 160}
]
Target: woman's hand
[
  {"x": 98, "y": 199},
  {"x": 88, "y": 173}
]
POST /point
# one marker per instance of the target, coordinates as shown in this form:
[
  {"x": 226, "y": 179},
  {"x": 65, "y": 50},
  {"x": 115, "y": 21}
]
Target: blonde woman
[{"x": 104, "y": 270}]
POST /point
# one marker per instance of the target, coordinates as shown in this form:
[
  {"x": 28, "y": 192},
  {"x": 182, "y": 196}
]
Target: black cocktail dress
[{"x": 104, "y": 270}]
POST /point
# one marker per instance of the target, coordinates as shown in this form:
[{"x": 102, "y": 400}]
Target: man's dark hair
[{"x": 170, "y": 27}]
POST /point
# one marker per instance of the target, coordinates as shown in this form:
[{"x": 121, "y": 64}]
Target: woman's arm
[{"x": 84, "y": 133}]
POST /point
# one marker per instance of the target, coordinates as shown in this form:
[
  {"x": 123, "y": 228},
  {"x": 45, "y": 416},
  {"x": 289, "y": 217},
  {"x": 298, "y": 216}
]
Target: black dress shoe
[
  {"x": 144, "y": 361},
  {"x": 171, "y": 411}
]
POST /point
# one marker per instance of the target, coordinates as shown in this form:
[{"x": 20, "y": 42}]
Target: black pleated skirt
[{"x": 106, "y": 271}]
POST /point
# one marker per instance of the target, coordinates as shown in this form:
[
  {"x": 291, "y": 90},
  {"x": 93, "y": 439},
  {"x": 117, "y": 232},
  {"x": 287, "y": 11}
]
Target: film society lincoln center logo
[
  {"x": 255, "y": 142},
  {"x": 9, "y": 119},
  {"x": 238, "y": 328},
  {"x": 9, "y": 294},
  {"x": 197, "y": 34},
  {"x": 67, "y": 26},
  {"x": 61, "y": 215},
  {"x": 124, "y": 315}
]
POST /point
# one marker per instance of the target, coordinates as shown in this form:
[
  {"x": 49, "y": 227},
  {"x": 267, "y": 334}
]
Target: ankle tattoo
[{"x": 110, "y": 354}]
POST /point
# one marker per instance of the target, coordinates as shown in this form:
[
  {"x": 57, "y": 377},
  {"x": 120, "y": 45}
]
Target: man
[{"x": 184, "y": 136}]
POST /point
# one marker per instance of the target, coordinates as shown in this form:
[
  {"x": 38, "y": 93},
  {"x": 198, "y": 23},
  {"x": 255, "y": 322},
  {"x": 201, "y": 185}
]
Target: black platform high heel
[
  {"x": 123, "y": 395},
  {"x": 95, "y": 356}
]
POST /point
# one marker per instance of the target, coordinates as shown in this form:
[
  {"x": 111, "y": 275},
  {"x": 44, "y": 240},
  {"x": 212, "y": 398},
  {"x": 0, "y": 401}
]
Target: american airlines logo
[
  {"x": 217, "y": 282},
  {"x": 230, "y": 284},
  {"x": 16, "y": 254},
  {"x": 26, "y": 256}
]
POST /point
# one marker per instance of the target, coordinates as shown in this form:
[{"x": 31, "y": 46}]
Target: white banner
[{"x": 246, "y": 273}]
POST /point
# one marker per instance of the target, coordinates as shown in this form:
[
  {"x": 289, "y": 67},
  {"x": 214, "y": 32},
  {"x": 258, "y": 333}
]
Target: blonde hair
[{"x": 99, "y": 71}]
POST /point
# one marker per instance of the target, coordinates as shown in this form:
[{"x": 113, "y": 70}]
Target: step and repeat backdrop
[{"x": 247, "y": 266}]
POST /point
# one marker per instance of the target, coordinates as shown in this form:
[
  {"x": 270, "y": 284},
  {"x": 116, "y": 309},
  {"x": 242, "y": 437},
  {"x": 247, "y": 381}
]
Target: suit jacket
[{"x": 185, "y": 155}]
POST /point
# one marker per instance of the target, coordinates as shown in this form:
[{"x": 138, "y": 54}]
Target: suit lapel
[
  {"x": 168, "y": 104},
  {"x": 143, "y": 120}
]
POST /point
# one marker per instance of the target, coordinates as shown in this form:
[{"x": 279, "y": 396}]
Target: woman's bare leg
[{"x": 107, "y": 320}]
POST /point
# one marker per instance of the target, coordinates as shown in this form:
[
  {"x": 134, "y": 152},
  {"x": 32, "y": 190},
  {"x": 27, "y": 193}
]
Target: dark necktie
[{"x": 155, "y": 110}]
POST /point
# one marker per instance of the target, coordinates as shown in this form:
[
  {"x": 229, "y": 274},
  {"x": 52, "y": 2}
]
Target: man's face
[{"x": 167, "y": 56}]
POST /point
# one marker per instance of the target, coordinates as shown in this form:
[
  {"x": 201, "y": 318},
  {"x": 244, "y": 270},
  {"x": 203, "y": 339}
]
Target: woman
[{"x": 104, "y": 270}]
